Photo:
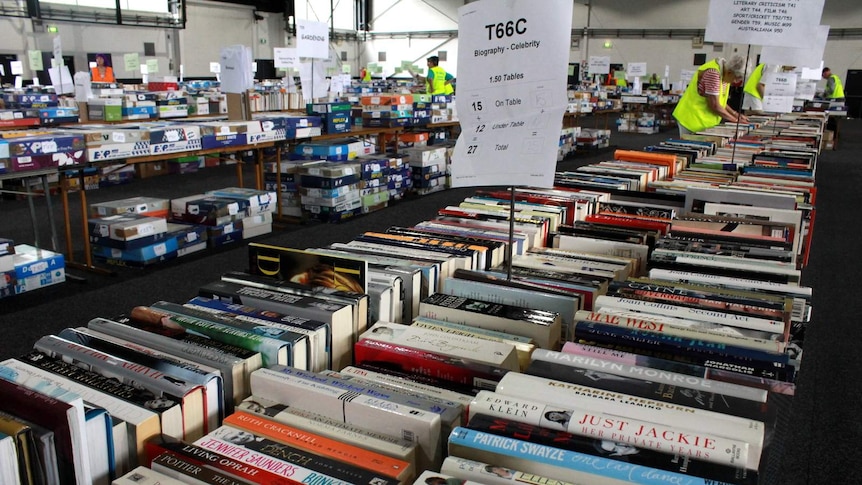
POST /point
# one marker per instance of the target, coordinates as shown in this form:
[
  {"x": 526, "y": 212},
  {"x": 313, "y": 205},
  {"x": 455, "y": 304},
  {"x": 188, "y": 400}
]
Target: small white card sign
[
  {"x": 285, "y": 58},
  {"x": 236, "y": 64},
  {"x": 779, "y": 89},
  {"x": 600, "y": 65},
  {"x": 312, "y": 39},
  {"x": 636, "y": 69}
]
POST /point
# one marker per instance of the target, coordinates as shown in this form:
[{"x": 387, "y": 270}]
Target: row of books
[{"x": 672, "y": 373}]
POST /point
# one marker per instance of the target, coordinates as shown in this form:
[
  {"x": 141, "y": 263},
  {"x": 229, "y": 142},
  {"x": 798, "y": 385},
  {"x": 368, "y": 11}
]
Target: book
[
  {"x": 575, "y": 359},
  {"x": 357, "y": 302},
  {"x": 376, "y": 463},
  {"x": 644, "y": 304},
  {"x": 371, "y": 440},
  {"x": 524, "y": 346},
  {"x": 274, "y": 350},
  {"x": 145, "y": 476},
  {"x": 66, "y": 420},
  {"x": 162, "y": 374},
  {"x": 588, "y": 423},
  {"x": 512, "y": 427},
  {"x": 710, "y": 354},
  {"x": 190, "y": 471},
  {"x": 125, "y": 403},
  {"x": 421, "y": 427},
  {"x": 231, "y": 466},
  {"x": 613, "y": 355},
  {"x": 693, "y": 398},
  {"x": 308, "y": 269},
  {"x": 542, "y": 326},
  {"x": 162, "y": 395},
  {"x": 562, "y": 393},
  {"x": 317, "y": 332},
  {"x": 144, "y": 318},
  {"x": 10, "y": 468},
  {"x": 429, "y": 477},
  {"x": 396, "y": 382},
  {"x": 176, "y": 366},
  {"x": 512, "y": 292},
  {"x": 231, "y": 369},
  {"x": 556, "y": 463},
  {"x": 29, "y": 468},
  {"x": 297, "y": 464},
  {"x": 488, "y": 474},
  {"x": 471, "y": 351}
]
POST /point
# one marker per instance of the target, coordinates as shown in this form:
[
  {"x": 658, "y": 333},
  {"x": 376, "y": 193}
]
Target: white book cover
[
  {"x": 596, "y": 424},
  {"x": 415, "y": 425},
  {"x": 145, "y": 476},
  {"x": 401, "y": 383},
  {"x": 640, "y": 252},
  {"x": 712, "y": 316},
  {"x": 492, "y": 474},
  {"x": 315, "y": 423},
  {"x": 499, "y": 354},
  {"x": 668, "y": 414}
]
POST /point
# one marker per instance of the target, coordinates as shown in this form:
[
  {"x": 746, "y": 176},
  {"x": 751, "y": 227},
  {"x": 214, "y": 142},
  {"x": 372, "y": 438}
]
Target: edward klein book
[
  {"x": 563, "y": 393},
  {"x": 619, "y": 429},
  {"x": 512, "y": 427}
]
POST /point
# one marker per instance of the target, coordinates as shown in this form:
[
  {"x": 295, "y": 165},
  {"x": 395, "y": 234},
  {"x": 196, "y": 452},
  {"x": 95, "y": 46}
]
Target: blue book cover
[{"x": 559, "y": 463}]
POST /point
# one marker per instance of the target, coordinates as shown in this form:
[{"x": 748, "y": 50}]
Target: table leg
[
  {"x": 32, "y": 213},
  {"x": 50, "y": 212}
]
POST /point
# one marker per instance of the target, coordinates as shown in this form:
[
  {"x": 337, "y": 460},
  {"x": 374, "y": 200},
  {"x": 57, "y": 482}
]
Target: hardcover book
[
  {"x": 124, "y": 403},
  {"x": 422, "y": 427},
  {"x": 512, "y": 427},
  {"x": 542, "y": 326},
  {"x": 164, "y": 396},
  {"x": 391, "y": 446}
]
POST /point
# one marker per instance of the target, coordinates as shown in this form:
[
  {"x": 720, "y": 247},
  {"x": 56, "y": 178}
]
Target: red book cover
[
  {"x": 404, "y": 359},
  {"x": 629, "y": 221}
]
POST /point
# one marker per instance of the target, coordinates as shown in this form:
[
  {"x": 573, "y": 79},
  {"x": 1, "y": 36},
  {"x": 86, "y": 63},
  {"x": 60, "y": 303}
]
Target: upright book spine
[
  {"x": 653, "y": 375},
  {"x": 588, "y": 423},
  {"x": 414, "y": 361},
  {"x": 559, "y": 463},
  {"x": 652, "y": 390},
  {"x": 319, "y": 445},
  {"x": 285, "y": 460},
  {"x": 234, "y": 466},
  {"x": 702, "y": 353},
  {"x": 674, "y": 462},
  {"x": 562, "y": 393},
  {"x": 661, "y": 364}
]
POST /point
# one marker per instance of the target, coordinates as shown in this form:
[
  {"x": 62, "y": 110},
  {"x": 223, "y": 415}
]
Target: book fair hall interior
[{"x": 372, "y": 242}]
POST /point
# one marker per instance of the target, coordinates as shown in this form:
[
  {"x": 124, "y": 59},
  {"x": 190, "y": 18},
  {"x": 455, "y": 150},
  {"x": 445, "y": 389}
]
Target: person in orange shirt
[{"x": 102, "y": 73}]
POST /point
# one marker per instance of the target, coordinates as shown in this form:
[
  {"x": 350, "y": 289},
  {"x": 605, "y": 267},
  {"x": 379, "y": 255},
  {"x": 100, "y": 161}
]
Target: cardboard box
[{"x": 150, "y": 169}]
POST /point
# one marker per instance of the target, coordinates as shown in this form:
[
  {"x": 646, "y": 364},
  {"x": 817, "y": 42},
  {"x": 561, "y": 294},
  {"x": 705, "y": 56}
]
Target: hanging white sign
[
  {"x": 810, "y": 55},
  {"x": 512, "y": 71},
  {"x": 785, "y": 23},
  {"x": 312, "y": 39}
]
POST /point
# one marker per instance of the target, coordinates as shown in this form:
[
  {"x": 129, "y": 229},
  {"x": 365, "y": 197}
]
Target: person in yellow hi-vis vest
[
  {"x": 834, "y": 89},
  {"x": 438, "y": 81},
  {"x": 704, "y": 103},
  {"x": 753, "y": 90},
  {"x": 365, "y": 75}
]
